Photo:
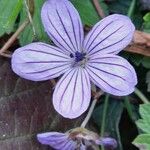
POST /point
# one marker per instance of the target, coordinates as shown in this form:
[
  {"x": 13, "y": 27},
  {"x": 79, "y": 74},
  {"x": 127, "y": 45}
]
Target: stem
[
  {"x": 6, "y": 55},
  {"x": 99, "y": 8},
  {"x": 13, "y": 37},
  {"x": 104, "y": 117},
  {"x": 29, "y": 14},
  {"x": 131, "y": 8},
  {"x": 96, "y": 97},
  {"x": 84, "y": 123},
  {"x": 18, "y": 31},
  {"x": 104, "y": 114},
  {"x": 129, "y": 108},
  {"x": 141, "y": 96}
]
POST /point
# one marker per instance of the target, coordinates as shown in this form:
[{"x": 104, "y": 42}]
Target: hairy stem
[
  {"x": 84, "y": 123},
  {"x": 141, "y": 96},
  {"x": 30, "y": 13},
  {"x": 128, "y": 106},
  {"x": 87, "y": 118},
  {"x": 104, "y": 117},
  {"x": 99, "y": 8},
  {"x": 131, "y": 8},
  {"x": 11, "y": 40},
  {"x": 13, "y": 37}
]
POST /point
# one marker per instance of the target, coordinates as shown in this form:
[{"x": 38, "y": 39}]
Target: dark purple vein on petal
[
  {"x": 77, "y": 48},
  {"x": 68, "y": 144},
  {"x": 81, "y": 41},
  {"x": 113, "y": 64},
  {"x": 104, "y": 39},
  {"x": 67, "y": 141},
  {"x": 91, "y": 34},
  {"x": 61, "y": 71},
  {"x": 59, "y": 43},
  {"x": 52, "y": 47},
  {"x": 38, "y": 51},
  {"x": 109, "y": 46},
  {"x": 65, "y": 29},
  {"x": 74, "y": 89},
  {"x": 59, "y": 139},
  {"x": 102, "y": 80},
  {"x": 86, "y": 79},
  {"x": 43, "y": 62},
  {"x": 65, "y": 76},
  {"x": 82, "y": 89},
  {"x": 101, "y": 58},
  {"x": 88, "y": 84},
  {"x": 66, "y": 86},
  {"x": 60, "y": 143},
  {"x": 56, "y": 136},
  {"x": 59, "y": 34},
  {"x": 97, "y": 33},
  {"x": 108, "y": 73},
  {"x": 41, "y": 71}
]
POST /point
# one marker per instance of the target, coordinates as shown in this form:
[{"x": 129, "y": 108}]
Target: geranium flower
[
  {"x": 76, "y": 139},
  {"x": 79, "y": 60}
]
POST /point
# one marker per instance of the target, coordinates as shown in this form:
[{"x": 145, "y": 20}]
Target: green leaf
[
  {"x": 147, "y": 17},
  {"x": 146, "y": 24},
  {"x": 88, "y": 12},
  {"x": 143, "y": 140},
  {"x": 122, "y": 7},
  {"x": 9, "y": 12},
  {"x": 114, "y": 112},
  {"x": 146, "y": 62},
  {"x": 136, "y": 59},
  {"x": 148, "y": 81},
  {"x": 144, "y": 123},
  {"x": 27, "y": 35}
]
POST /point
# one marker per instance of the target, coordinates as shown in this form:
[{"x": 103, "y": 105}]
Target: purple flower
[
  {"x": 79, "y": 60},
  {"x": 76, "y": 139}
]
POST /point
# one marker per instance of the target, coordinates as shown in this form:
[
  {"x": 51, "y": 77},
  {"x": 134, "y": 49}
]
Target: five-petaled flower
[
  {"x": 76, "y": 139},
  {"x": 79, "y": 60}
]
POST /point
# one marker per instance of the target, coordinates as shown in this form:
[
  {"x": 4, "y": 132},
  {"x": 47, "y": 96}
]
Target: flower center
[
  {"x": 79, "y": 58},
  {"x": 84, "y": 138}
]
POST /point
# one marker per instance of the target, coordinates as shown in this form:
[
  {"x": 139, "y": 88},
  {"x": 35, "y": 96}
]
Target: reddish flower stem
[
  {"x": 87, "y": 118},
  {"x": 99, "y": 8}
]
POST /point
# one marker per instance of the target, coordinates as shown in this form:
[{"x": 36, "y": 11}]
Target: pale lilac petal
[
  {"x": 56, "y": 140},
  {"x": 72, "y": 93},
  {"x": 113, "y": 74},
  {"x": 83, "y": 147},
  {"x": 39, "y": 61},
  {"x": 107, "y": 142},
  {"x": 110, "y": 35},
  {"x": 62, "y": 23}
]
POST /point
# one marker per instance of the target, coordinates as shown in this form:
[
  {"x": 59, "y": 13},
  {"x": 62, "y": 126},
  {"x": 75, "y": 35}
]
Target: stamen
[
  {"x": 71, "y": 55},
  {"x": 79, "y": 56}
]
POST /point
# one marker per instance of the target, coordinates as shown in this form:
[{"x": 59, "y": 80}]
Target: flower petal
[
  {"x": 62, "y": 23},
  {"x": 110, "y": 35},
  {"x": 107, "y": 142},
  {"x": 39, "y": 61},
  {"x": 72, "y": 93},
  {"x": 83, "y": 147},
  {"x": 112, "y": 74},
  {"x": 56, "y": 140}
]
